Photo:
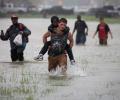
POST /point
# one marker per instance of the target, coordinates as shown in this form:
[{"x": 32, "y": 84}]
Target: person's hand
[
  {"x": 21, "y": 32},
  {"x": 2, "y": 33}
]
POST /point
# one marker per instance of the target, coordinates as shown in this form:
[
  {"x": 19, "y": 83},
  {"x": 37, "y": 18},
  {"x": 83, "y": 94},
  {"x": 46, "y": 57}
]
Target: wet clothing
[
  {"x": 58, "y": 43},
  {"x": 67, "y": 48},
  {"x": 80, "y": 26},
  {"x": 10, "y": 34},
  {"x": 103, "y": 30},
  {"x": 17, "y": 53},
  {"x": 80, "y": 39},
  {"x": 51, "y": 29},
  {"x": 103, "y": 41}
]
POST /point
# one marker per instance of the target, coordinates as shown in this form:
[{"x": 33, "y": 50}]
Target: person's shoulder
[
  {"x": 21, "y": 26},
  {"x": 76, "y": 21},
  {"x": 10, "y": 27},
  {"x": 83, "y": 21},
  {"x": 50, "y": 26},
  {"x": 106, "y": 24},
  {"x": 99, "y": 24}
]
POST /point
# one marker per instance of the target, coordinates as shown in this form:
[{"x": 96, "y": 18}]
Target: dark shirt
[
  {"x": 107, "y": 29},
  {"x": 13, "y": 31},
  {"x": 80, "y": 26},
  {"x": 58, "y": 44}
]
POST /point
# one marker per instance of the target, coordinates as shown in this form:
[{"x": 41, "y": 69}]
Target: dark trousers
[
  {"x": 17, "y": 53},
  {"x": 80, "y": 39},
  {"x": 67, "y": 48},
  {"x": 103, "y": 41},
  {"x": 45, "y": 48}
]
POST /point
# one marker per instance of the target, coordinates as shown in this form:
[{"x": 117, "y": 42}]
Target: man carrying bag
[{"x": 17, "y": 44}]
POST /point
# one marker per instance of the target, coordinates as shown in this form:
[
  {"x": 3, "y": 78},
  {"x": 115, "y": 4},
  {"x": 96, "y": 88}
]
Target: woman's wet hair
[{"x": 63, "y": 20}]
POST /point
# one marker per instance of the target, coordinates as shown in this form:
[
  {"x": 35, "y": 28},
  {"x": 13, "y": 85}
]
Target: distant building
[
  {"x": 15, "y": 6},
  {"x": 78, "y": 5}
]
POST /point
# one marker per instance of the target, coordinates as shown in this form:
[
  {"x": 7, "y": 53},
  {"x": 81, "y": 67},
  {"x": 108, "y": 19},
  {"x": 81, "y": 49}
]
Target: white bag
[{"x": 18, "y": 40}]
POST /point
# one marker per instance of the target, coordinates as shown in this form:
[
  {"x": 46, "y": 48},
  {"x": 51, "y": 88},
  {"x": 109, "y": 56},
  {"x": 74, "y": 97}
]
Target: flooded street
[{"x": 94, "y": 77}]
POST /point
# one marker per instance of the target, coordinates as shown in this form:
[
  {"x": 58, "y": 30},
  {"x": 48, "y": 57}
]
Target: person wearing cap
[
  {"x": 51, "y": 29},
  {"x": 82, "y": 31},
  {"x": 17, "y": 51},
  {"x": 103, "y": 30}
]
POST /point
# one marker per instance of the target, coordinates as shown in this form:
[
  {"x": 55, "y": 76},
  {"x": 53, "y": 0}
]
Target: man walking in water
[
  {"x": 82, "y": 31},
  {"x": 52, "y": 28},
  {"x": 103, "y": 30},
  {"x": 11, "y": 33}
]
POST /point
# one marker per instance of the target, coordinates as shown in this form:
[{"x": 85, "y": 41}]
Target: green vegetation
[{"x": 38, "y": 15}]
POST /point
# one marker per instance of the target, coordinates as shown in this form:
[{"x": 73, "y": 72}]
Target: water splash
[
  {"x": 58, "y": 72},
  {"x": 76, "y": 70},
  {"x": 72, "y": 70}
]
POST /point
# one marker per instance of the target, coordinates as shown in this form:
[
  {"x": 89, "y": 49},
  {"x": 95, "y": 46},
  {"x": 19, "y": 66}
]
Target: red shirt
[{"x": 103, "y": 30}]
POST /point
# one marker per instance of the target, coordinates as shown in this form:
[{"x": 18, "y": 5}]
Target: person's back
[
  {"x": 82, "y": 30},
  {"x": 80, "y": 26}
]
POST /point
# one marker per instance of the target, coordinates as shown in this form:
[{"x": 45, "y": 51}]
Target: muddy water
[{"x": 94, "y": 77}]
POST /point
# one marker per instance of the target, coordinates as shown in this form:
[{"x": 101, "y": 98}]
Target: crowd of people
[{"x": 59, "y": 34}]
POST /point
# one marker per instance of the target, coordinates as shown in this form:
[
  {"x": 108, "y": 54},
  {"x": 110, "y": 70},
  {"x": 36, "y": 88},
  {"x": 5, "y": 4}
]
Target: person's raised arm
[
  {"x": 5, "y": 36},
  {"x": 26, "y": 31}
]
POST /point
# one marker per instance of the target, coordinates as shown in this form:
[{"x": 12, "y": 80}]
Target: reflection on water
[{"x": 94, "y": 77}]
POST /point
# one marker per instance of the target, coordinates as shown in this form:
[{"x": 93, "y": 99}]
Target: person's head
[
  {"x": 62, "y": 24},
  {"x": 101, "y": 20},
  {"x": 14, "y": 19},
  {"x": 54, "y": 20},
  {"x": 78, "y": 17}
]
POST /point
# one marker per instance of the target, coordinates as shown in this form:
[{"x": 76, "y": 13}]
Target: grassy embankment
[{"x": 85, "y": 17}]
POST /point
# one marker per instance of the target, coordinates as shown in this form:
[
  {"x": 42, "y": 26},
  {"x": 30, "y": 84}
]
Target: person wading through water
[
  {"x": 51, "y": 28},
  {"x": 82, "y": 31},
  {"x": 103, "y": 30},
  {"x": 58, "y": 44},
  {"x": 17, "y": 51}
]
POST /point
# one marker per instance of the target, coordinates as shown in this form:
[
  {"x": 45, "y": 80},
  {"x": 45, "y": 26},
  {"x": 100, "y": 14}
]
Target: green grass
[{"x": 85, "y": 17}]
